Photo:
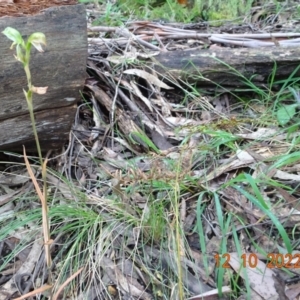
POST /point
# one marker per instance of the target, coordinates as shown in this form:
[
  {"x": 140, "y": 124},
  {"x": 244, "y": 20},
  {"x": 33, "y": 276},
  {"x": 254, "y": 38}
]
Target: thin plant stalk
[
  {"x": 23, "y": 55},
  {"x": 31, "y": 113}
]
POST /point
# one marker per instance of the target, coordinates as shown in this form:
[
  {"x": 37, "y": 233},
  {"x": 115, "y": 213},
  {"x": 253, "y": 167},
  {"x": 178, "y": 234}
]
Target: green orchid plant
[{"x": 23, "y": 49}]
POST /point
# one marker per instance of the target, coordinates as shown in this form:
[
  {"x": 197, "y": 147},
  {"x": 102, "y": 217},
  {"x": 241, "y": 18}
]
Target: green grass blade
[
  {"x": 275, "y": 221},
  {"x": 200, "y": 209}
]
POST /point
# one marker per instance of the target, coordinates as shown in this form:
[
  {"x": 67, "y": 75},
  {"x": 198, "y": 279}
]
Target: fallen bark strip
[{"x": 223, "y": 66}]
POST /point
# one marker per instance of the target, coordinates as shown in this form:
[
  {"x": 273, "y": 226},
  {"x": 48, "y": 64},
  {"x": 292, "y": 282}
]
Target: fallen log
[
  {"x": 62, "y": 67},
  {"x": 227, "y": 67}
]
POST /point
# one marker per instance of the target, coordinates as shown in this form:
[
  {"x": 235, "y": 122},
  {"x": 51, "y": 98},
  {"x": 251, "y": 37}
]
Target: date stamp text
[{"x": 275, "y": 260}]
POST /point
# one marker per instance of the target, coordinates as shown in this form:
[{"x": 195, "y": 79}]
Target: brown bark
[{"x": 61, "y": 67}]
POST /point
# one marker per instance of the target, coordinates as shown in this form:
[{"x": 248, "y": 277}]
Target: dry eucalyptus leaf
[
  {"x": 140, "y": 95},
  {"x": 149, "y": 77}
]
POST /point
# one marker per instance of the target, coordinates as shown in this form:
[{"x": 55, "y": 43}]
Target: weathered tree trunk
[
  {"x": 230, "y": 67},
  {"x": 61, "y": 67}
]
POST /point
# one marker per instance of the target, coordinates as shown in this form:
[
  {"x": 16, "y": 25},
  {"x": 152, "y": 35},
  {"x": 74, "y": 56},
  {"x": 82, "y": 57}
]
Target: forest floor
[{"x": 173, "y": 186}]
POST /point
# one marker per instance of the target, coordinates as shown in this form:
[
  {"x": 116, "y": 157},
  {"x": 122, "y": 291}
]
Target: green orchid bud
[{"x": 37, "y": 39}]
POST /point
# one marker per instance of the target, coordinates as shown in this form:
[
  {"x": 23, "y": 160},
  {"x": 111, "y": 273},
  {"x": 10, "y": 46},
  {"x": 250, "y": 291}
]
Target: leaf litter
[{"x": 144, "y": 195}]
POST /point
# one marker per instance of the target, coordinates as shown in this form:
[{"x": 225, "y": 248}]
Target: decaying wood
[
  {"x": 61, "y": 67},
  {"x": 53, "y": 128},
  {"x": 223, "y": 66}
]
